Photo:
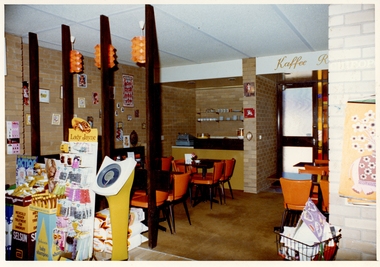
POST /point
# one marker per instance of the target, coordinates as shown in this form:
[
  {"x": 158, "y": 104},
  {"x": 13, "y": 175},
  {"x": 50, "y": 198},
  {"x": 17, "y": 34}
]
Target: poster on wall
[
  {"x": 128, "y": 91},
  {"x": 249, "y": 89},
  {"x": 13, "y": 137},
  {"x": 358, "y": 174}
]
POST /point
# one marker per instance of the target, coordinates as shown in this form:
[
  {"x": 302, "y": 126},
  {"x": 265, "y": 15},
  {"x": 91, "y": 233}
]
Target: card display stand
[{"x": 76, "y": 170}]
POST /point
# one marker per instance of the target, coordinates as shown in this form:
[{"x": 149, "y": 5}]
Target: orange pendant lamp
[{"x": 138, "y": 46}]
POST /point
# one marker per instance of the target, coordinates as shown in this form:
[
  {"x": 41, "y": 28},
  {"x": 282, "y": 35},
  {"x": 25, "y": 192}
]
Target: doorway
[{"x": 302, "y": 124}]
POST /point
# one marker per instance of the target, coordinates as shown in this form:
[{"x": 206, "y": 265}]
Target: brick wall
[
  {"x": 266, "y": 105},
  {"x": 219, "y": 98},
  {"x": 50, "y": 72},
  {"x": 250, "y": 147},
  {"x": 178, "y": 115},
  {"x": 351, "y": 74}
]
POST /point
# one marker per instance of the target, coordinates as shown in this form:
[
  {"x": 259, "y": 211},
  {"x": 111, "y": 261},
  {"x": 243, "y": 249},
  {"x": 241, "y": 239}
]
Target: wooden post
[
  {"x": 108, "y": 120},
  {"x": 67, "y": 82},
  {"x": 34, "y": 94},
  {"x": 153, "y": 111}
]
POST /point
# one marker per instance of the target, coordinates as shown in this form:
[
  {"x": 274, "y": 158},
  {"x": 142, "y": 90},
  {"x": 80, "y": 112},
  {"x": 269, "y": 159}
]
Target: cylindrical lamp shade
[{"x": 138, "y": 49}]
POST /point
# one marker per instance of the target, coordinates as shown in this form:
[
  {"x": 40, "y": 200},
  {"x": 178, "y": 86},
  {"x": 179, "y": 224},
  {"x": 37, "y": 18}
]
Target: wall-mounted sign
[
  {"x": 292, "y": 62},
  {"x": 249, "y": 113}
]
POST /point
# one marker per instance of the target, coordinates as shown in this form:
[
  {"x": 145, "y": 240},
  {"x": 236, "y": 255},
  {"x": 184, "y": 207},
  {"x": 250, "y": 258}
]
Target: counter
[
  {"x": 219, "y": 143},
  {"x": 237, "y": 180}
]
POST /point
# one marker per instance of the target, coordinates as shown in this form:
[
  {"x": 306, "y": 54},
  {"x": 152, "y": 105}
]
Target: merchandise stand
[
  {"x": 76, "y": 170},
  {"x": 114, "y": 180}
]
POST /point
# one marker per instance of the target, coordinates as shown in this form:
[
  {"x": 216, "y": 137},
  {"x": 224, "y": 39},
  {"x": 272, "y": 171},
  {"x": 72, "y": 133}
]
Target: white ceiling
[{"x": 187, "y": 34}]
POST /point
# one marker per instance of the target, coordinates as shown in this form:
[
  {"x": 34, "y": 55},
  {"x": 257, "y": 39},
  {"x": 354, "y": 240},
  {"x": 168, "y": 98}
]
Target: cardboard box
[
  {"x": 46, "y": 249},
  {"x": 18, "y": 201},
  {"x": 24, "y": 219},
  {"x": 8, "y": 230},
  {"x": 23, "y": 245}
]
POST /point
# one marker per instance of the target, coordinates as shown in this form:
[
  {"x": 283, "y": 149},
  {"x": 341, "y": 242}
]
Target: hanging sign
[{"x": 128, "y": 91}]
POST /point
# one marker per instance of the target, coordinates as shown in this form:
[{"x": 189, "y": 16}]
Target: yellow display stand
[
  {"x": 114, "y": 181},
  {"x": 119, "y": 213}
]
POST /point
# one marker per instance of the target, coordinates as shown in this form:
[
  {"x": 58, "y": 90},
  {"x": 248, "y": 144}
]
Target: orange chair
[
  {"x": 211, "y": 181},
  {"x": 178, "y": 195},
  {"x": 321, "y": 162},
  {"x": 317, "y": 173},
  {"x": 324, "y": 185},
  {"x": 178, "y": 165},
  {"x": 296, "y": 193},
  {"x": 141, "y": 201},
  {"x": 227, "y": 175},
  {"x": 166, "y": 163}
]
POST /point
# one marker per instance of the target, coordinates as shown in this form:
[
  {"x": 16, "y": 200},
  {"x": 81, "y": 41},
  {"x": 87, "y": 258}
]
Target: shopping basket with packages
[
  {"x": 290, "y": 249},
  {"x": 313, "y": 239}
]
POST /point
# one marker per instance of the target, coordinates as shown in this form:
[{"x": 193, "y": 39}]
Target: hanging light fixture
[
  {"x": 138, "y": 46},
  {"x": 76, "y": 59}
]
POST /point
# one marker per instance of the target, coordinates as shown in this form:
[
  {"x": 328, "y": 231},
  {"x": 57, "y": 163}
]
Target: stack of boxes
[{"x": 24, "y": 228}]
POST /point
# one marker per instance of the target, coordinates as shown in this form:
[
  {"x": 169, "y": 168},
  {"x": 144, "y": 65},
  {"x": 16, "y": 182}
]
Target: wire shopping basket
[{"x": 293, "y": 250}]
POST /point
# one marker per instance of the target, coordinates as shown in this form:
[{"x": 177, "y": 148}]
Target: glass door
[{"x": 297, "y": 129}]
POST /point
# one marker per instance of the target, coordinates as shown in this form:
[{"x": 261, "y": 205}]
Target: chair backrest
[
  {"x": 228, "y": 169},
  {"x": 295, "y": 192},
  {"x": 161, "y": 197},
  {"x": 180, "y": 185},
  {"x": 166, "y": 163},
  {"x": 324, "y": 185},
  {"x": 218, "y": 171},
  {"x": 179, "y": 165}
]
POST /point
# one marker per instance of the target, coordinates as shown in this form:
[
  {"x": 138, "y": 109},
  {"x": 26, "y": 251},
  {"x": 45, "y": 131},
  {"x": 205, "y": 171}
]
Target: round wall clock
[{"x": 249, "y": 136}]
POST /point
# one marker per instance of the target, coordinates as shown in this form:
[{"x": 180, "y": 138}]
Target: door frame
[{"x": 301, "y": 141}]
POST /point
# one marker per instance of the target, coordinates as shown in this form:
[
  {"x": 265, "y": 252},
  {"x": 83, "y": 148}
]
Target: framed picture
[
  {"x": 44, "y": 96},
  {"x": 81, "y": 102},
  {"x": 82, "y": 80},
  {"x": 126, "y": 142},
  {"x": 56, "y": 119},
  {"x": 27, "y": 119},
  {"x": 249, "y": 89}
]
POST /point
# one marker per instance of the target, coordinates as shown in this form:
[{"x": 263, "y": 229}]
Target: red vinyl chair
[
  {"x": 227, "y": 175},
  {"x": 178, "y": 195},
  {"x": 166, "y": 163},
  {"x": 178, "y": 165},
  {"x": 296, "y": 193},
  {"x": 211, "y": 181},
  {"x": 141, "y": 201}
]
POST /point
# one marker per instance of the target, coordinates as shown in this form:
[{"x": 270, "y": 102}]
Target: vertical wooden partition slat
[
  {"x": 108, "y": 120},
  {"x": 67, "y": 82},
  {"x": 34, "y": 94},
  {"x": 153, "y": 111}
]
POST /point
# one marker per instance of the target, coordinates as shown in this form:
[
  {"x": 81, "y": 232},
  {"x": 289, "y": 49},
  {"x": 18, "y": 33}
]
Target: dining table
[{"x": 203, "y": 164}]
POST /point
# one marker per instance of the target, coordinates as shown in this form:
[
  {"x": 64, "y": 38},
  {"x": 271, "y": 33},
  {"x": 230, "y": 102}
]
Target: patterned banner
[{"x": 128, "y": 91}]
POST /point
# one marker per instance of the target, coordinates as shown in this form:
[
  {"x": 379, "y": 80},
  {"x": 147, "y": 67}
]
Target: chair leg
[
  {"x": 187, "y": 213},
  {"x": 229, "y": 184},
  {"x": 171, "y": 212},
  {"x": 211, "y": 197},
  {"x": 190, "y": 194},
  {"x": 223, "y": 193},
  {"x": 220, "y": 194},
  {"x": 167, "y": 216}
]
